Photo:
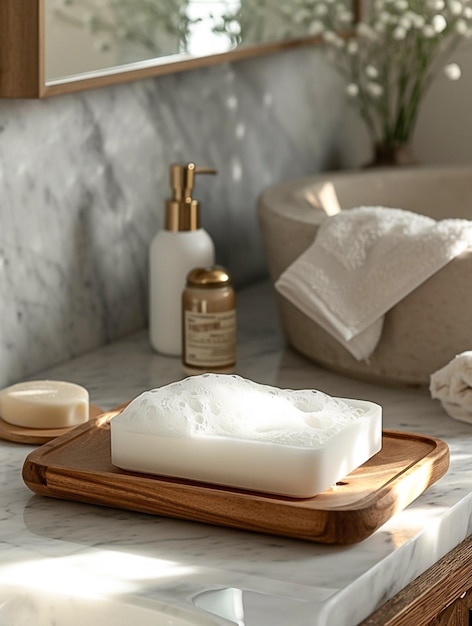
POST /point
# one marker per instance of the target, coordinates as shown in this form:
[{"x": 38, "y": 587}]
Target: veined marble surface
[
  {"x": 80, "y": 551},
  {"x": 84, "y": 177}
]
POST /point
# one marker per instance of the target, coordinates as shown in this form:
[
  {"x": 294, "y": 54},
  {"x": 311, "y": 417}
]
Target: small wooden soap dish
[{"x": 38, "y": 436}]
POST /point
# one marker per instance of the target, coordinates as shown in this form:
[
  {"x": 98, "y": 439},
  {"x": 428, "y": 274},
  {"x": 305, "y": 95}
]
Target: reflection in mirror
[
  {"x": 108, "y": 33},
  {"x": 53, "y": 47}
]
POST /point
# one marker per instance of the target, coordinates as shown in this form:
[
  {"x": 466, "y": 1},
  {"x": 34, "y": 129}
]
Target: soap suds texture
[{"x": 231, "y": 406}]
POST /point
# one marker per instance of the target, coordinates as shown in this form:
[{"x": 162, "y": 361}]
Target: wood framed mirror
[{"x": 32, "y": 66}]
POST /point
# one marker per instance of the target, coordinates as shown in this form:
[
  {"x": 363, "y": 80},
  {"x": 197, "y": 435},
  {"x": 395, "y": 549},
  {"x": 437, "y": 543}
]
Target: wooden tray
[
  {"x": 77, "y": 466},
  {"x": 38, "y": 436}
]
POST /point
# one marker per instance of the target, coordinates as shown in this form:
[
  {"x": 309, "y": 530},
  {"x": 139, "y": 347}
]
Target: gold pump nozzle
[{"x": 182, "y": 211}]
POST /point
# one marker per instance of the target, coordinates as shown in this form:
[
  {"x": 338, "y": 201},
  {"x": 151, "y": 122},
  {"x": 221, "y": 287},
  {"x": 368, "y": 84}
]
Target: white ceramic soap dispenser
[{"x": 180, "y": 247}]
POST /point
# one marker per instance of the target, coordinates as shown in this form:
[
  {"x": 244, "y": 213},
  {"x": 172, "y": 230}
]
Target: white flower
[
  {"x": 345, "y": 16},
  {"x": 300, "y": 16},
  {"x": 461, "y": 27},
  {"x": 333, "y": 39},
  {"x": 352, "y": 90},
  {"x": 401, "y": 5},
  {"x": 468, "y": 12},
  {"x": 315, "y": 28},
  {"x": 371, "y": 72},
  {"x": 399, "y": 33},
  {"x": 428, "y": 31},
  {"x": 405, "y": 22},
  {"x": 321, "y": 9},
  {"x": 330, "y": 36},
  {"x": 385, "y": 17},
  {"x": 452, "y": 71},
  {"x": 364, "y": 30},
  {"x": 380, "y": 28},
  {"x": 439, "y": 23},
  {"x": 374, "y": 89},
  {"x": 436, "y": 5},
  {"x": 352, "y": 47},
  {"x": 418, "y": 20},
  {"x": 455, "y": 7}
]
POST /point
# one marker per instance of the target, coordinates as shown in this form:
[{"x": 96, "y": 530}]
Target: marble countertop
[{"x": 269, "y": 580}]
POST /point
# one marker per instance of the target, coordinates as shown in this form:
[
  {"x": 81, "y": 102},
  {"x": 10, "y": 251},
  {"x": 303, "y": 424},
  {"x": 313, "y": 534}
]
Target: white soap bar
[
  {"x": 226, "y": 430},
  {"x": 44, "y": 404}
]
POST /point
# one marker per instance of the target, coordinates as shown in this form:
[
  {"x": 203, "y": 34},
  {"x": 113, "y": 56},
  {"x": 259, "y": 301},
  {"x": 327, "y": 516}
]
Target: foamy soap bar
[
  {"x": 44, "y": 404},
  {"x": 226, "y": 430}
]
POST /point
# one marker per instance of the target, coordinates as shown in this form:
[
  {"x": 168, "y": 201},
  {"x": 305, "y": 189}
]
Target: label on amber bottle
[{"x": 210, "y": 339}]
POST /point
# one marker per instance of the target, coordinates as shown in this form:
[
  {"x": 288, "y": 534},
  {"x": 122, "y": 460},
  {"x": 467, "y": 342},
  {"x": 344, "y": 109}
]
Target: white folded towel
[
  {"x": 452, "y": 385},
  {"x": 362, "y": 262}
]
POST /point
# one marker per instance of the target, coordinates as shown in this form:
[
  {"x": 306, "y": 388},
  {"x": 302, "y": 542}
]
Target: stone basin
[{"x": 426, "y": 329}]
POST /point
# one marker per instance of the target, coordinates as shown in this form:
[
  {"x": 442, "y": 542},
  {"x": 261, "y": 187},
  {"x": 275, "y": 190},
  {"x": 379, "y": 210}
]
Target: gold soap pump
[
  {"x": 182, "y": 211},
  {"x": 178, "y": 248}
]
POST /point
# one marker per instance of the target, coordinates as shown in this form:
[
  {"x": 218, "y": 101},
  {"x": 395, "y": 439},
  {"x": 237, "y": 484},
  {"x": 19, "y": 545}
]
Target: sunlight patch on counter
[{"x": 92, "y": 575}]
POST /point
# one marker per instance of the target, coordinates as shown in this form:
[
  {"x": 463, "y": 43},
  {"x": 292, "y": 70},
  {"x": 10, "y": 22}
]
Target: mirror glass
[{"x": 107, "y": 36}]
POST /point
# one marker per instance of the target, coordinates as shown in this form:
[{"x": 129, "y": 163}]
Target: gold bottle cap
[
  {"x": 182, "y": 211},
  {"x": 182, "y": 215},
  {"x": 214, "y": 276}
]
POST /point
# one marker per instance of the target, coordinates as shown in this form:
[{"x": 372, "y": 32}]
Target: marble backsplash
[{"x": 83, "y": 180}]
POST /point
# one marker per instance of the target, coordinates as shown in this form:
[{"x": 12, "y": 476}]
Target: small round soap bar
[{"x": 44, "y": 404}]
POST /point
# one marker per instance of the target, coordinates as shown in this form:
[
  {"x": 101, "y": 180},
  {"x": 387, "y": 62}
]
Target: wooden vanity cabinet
[{"x": 442, "y": 596}]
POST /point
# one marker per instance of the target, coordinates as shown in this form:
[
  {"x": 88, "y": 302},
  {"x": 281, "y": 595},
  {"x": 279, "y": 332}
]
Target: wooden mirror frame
[{"x": 22, "y": 71}]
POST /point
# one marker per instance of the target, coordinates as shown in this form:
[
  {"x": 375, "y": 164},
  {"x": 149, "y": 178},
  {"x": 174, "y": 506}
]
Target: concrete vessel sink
[{"x": 427, "y": 328}]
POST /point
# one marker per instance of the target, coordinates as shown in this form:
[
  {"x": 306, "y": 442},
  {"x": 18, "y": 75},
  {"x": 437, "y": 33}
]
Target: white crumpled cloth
[
  {"x": 452, "y": 385},
  {"x": 362, "y": 262}
]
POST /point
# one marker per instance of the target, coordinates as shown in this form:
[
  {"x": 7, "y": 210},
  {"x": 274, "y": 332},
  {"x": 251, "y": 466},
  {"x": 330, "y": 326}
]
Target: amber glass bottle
[{"x": 209, "y": 321}]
